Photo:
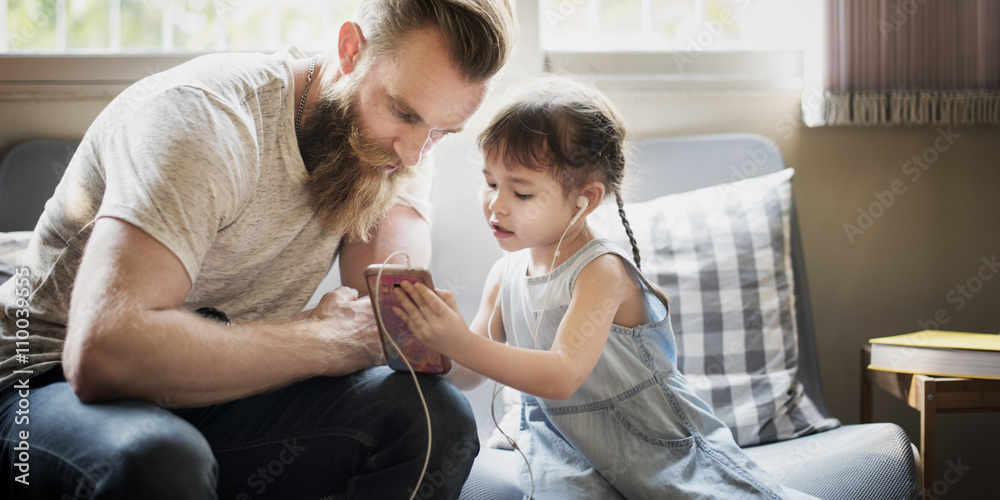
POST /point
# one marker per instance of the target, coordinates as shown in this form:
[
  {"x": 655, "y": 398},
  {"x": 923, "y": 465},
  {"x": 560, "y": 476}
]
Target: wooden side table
[{"x": 930, "y": 396}]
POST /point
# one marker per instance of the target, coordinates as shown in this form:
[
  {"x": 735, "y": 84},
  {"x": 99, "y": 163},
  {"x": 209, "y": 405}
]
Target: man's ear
[{"x": 349, "y": 45}]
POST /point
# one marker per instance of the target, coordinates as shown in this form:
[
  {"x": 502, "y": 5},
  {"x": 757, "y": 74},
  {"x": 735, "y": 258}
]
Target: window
[
  {"x": 670, "y": 25},
  {"x": 682, "y": 43},
  {"x": 124, "y": 26}
]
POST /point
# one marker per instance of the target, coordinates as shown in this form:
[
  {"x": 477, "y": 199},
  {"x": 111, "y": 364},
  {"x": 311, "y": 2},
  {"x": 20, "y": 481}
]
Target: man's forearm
[
  {"x": 127, "y": 335},
  {"x": 175, "y": 358}
]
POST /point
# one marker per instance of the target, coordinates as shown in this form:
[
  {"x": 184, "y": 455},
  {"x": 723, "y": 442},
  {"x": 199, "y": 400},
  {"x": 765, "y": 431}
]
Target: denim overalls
[{"x": 635, "y": 429}]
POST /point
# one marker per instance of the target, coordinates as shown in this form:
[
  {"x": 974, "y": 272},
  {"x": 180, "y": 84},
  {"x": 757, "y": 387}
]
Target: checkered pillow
[{"x": 721, "y": 254}]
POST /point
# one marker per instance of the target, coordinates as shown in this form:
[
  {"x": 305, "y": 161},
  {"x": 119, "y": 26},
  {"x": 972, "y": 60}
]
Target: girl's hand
[{"x": 433, "y": 318}]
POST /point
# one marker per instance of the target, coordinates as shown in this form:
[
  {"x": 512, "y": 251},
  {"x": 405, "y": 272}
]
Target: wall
[{"x": 887, "y": 278}]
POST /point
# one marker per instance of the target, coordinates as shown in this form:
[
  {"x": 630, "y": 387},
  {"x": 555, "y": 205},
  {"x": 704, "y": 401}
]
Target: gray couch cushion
[
  {"x": 853, "y": 461},
  {"x": 494, "y": 476},
  {"x": 870, "y": 461}
]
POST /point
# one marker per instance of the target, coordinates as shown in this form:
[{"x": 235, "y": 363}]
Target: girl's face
[{"x": 524, "y": 208}]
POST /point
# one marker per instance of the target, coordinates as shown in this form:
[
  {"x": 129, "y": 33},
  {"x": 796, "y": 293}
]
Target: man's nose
[{"x": 412, "y": 145}]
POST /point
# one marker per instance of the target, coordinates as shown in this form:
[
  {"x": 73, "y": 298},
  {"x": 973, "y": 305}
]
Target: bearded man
[{"x": 170, "y": 356}]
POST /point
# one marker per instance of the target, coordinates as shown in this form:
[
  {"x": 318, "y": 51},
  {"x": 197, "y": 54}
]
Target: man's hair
[{"x": 479, "y": 33}]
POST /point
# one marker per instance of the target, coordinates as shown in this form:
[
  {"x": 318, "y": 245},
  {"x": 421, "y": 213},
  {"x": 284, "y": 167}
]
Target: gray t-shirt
[{"x": 202, "y": 157}]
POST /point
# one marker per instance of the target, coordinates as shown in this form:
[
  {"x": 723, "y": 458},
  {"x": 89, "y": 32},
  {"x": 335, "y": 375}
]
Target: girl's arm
[
  {"x": 460, "y": 376},
  {"x": 553, "y": 374}
]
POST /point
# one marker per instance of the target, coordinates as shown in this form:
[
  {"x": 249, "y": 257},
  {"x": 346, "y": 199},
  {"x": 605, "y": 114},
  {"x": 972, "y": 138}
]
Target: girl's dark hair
[{"x": 569, "y": 128}]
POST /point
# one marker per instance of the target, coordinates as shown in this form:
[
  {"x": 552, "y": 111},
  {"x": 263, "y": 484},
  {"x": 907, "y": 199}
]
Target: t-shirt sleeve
[
  {"x": 417, "y": 193},
  {"x": 179, "y": 168}
]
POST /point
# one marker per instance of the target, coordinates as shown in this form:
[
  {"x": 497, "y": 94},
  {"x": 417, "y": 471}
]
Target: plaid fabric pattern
[{"x": 722, "y": 256}]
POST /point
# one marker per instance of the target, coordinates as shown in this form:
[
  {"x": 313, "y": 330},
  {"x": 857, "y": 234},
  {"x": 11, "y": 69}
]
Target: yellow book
[{"x": 932, "y": 352}]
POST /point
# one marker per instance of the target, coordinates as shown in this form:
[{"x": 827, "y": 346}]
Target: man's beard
[{"x": 348, "y": 188}]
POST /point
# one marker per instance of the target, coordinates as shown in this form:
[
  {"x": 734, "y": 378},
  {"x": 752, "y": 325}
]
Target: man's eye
[{"x": 406, "y": 117}]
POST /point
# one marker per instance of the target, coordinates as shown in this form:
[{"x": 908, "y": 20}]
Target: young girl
[{"x": 605, "y": 413}]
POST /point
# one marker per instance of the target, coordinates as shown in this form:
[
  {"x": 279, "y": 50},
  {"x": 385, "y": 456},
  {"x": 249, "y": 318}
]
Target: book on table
[{"x": 932, "y": 352}]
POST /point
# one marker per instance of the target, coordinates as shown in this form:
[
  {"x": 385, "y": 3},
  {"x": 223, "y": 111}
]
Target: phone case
[{"x": 421, "y": 358}]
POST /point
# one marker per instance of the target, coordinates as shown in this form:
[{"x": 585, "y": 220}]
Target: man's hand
[
  {"x": 432, "y": 317},
  {"x": 348, "y": 325}
]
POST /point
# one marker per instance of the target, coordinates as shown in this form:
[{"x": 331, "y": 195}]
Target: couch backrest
[{"x": 29, "y": 174}]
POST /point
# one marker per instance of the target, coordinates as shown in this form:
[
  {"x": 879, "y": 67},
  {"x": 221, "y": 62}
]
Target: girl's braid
[{"x": 628, "y": 229}]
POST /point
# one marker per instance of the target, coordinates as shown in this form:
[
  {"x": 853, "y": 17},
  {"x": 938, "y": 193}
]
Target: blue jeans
[{"x": 361, "y": 436}]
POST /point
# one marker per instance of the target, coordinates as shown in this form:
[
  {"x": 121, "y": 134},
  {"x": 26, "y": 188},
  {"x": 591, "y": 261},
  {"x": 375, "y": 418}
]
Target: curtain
[{"x": 909, "y": 62}]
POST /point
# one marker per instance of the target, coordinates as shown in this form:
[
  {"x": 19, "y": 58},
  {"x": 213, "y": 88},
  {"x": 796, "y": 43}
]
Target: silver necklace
[{"x": 302, "y": 101}]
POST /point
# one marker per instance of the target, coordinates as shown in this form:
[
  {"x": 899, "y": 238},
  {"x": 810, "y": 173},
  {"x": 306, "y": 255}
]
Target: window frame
[
  {"x": 687, "y": 70},
  {"x": 70, "y": 77},
  {"x": 737, "y": 70}
]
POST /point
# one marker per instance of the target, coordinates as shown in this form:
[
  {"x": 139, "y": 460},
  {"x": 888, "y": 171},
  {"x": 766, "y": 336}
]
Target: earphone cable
[
  {"x": 413, "y": 373},
  {"x": 497, "y": 386}
]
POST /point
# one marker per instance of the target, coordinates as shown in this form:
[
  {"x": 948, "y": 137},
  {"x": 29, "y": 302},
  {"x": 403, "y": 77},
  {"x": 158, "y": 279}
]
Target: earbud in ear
[{"x": 581, "y": 203}]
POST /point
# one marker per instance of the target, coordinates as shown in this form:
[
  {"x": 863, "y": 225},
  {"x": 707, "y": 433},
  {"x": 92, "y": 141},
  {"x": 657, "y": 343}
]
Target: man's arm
[
  {"x": 402, "y": 229},
  {"x": 127, "y": 337}
]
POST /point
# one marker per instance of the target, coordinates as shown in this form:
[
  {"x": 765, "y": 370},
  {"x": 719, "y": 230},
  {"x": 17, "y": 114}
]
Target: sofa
[{"x": 785, "y": 427}]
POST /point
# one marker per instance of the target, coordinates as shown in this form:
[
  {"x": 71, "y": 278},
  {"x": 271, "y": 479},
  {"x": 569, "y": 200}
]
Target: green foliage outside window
[{"x": 112, "y": 26}]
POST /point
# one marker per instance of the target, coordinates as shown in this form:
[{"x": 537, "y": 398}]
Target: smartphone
[{"x": 421, "y": 358}]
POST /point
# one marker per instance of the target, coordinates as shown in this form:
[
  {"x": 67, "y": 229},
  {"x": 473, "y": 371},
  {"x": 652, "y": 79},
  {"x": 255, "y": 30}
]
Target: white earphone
[{"x": 582, "y": 203}]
